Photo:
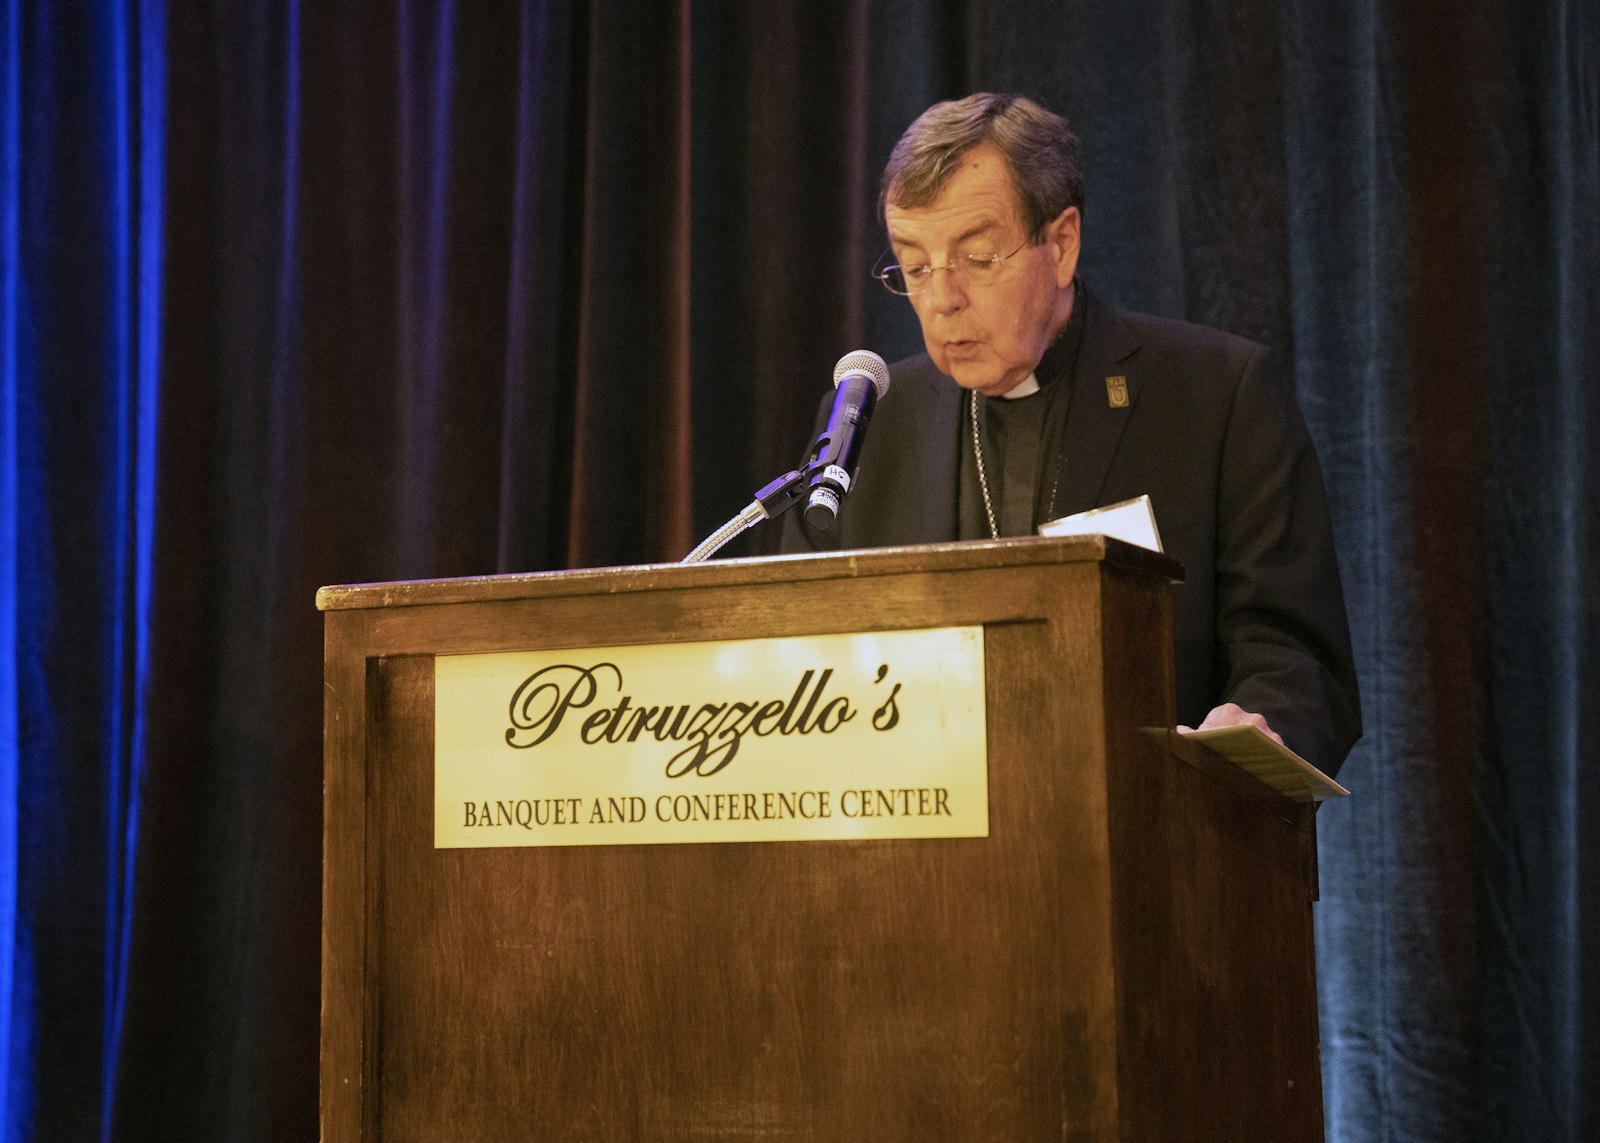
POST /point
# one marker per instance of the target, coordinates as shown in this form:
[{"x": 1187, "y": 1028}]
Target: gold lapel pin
[{"x": 1117, "y": 392}]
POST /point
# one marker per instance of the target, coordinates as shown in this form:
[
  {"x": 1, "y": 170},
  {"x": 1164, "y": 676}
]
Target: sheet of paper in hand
[{"x": 1278, "y": 766}]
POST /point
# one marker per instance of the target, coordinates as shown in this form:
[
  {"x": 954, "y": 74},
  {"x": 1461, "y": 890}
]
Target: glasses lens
[{"x": 894, "y": 280}]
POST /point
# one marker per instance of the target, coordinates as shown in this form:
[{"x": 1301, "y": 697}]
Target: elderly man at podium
[{"x": 1035, "y": 399}]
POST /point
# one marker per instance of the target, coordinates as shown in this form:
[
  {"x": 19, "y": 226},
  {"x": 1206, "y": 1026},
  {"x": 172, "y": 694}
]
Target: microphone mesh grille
[{"x": 863, "y": 361}]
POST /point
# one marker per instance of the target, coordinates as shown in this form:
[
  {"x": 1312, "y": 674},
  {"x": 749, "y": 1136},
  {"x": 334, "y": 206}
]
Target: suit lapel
[
  {"x": 1095, "y": 418},
  {"x": 928, "y": 473},
  {"x": 909, "y": 474},
  {"x": 939, "y": 478}
]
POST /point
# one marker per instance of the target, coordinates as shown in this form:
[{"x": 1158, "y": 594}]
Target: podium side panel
[{"x": 1213, "y": 927}]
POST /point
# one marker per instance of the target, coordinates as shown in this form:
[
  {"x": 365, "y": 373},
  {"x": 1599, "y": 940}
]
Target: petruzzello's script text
[{"x": 713, "y": 731}]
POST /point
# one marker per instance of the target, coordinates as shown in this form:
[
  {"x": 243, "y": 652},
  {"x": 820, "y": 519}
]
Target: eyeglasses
[{"x": 972, "y": 269}]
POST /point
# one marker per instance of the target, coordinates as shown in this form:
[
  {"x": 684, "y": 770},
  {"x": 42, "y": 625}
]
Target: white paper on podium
[
  {"x": 1132, "y": 521},
  {"x": 1278, "y": 766}
]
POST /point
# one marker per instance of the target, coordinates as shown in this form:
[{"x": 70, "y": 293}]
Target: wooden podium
[{"x": 1127, "y": 955}]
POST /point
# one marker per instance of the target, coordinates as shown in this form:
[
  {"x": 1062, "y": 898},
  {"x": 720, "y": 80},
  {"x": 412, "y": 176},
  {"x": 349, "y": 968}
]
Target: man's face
[{"x": 988, "y": 336}]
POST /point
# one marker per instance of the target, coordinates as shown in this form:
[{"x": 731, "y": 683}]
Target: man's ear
[{"x": 1064, "y": 234}]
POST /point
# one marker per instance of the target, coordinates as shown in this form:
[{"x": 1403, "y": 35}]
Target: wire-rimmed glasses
[{"x": 972, "y": 269}]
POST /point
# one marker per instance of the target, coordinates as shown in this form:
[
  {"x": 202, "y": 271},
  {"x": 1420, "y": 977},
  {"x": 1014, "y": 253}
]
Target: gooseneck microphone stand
[{"x": 770, "y": 503}]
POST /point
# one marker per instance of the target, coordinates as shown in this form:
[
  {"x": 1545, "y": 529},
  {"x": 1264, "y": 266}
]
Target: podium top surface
[{"x": 1020, "y": 551}]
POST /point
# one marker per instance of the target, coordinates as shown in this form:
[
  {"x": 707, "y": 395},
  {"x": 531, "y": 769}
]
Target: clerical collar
[{"x": 1027, "y": 387}]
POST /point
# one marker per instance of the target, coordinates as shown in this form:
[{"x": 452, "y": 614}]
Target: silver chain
[{"x": 983, "y": 480}]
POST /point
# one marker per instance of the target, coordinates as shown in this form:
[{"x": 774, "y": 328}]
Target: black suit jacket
[{"x": 1215, "y": 439}]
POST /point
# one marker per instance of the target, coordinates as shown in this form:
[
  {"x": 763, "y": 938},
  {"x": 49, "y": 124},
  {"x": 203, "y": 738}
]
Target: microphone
[{"x": 859, "y": 380}]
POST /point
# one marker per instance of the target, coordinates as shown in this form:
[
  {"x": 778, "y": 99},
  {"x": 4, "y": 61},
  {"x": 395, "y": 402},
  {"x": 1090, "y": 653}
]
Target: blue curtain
[
  {"x": 304, "y": 294},
  {"x": 83, "y": 162}
]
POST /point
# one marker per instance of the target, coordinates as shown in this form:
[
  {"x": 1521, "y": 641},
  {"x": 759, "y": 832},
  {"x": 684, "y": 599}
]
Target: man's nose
[{"x": 946, "y": 292}]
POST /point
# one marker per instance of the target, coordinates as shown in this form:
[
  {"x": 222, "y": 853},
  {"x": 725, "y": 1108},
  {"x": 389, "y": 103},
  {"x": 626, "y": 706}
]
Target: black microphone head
[{"x": 865, "y": 362}]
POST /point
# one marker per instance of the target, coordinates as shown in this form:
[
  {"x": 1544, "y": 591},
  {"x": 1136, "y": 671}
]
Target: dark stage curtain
[{"x": 295, "y": 294}]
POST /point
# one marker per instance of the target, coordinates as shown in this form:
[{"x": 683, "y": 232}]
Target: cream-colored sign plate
[{"x": 828, "y": 737}]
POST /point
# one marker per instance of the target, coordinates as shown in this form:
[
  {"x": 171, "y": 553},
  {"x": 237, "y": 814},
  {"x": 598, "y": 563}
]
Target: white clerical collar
[{"x": 1027, "y": 387}]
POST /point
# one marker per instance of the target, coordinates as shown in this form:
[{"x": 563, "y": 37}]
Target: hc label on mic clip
[{"x": 836, "y": 475}]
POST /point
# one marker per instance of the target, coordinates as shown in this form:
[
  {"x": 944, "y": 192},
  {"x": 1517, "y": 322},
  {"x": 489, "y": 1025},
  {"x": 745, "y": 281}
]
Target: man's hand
[{"x": 1231, "y": 714}]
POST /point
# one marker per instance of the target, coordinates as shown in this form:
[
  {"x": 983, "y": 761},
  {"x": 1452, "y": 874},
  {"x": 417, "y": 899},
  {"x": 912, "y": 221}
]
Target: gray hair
[{"x": 1038, "y": 147}]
